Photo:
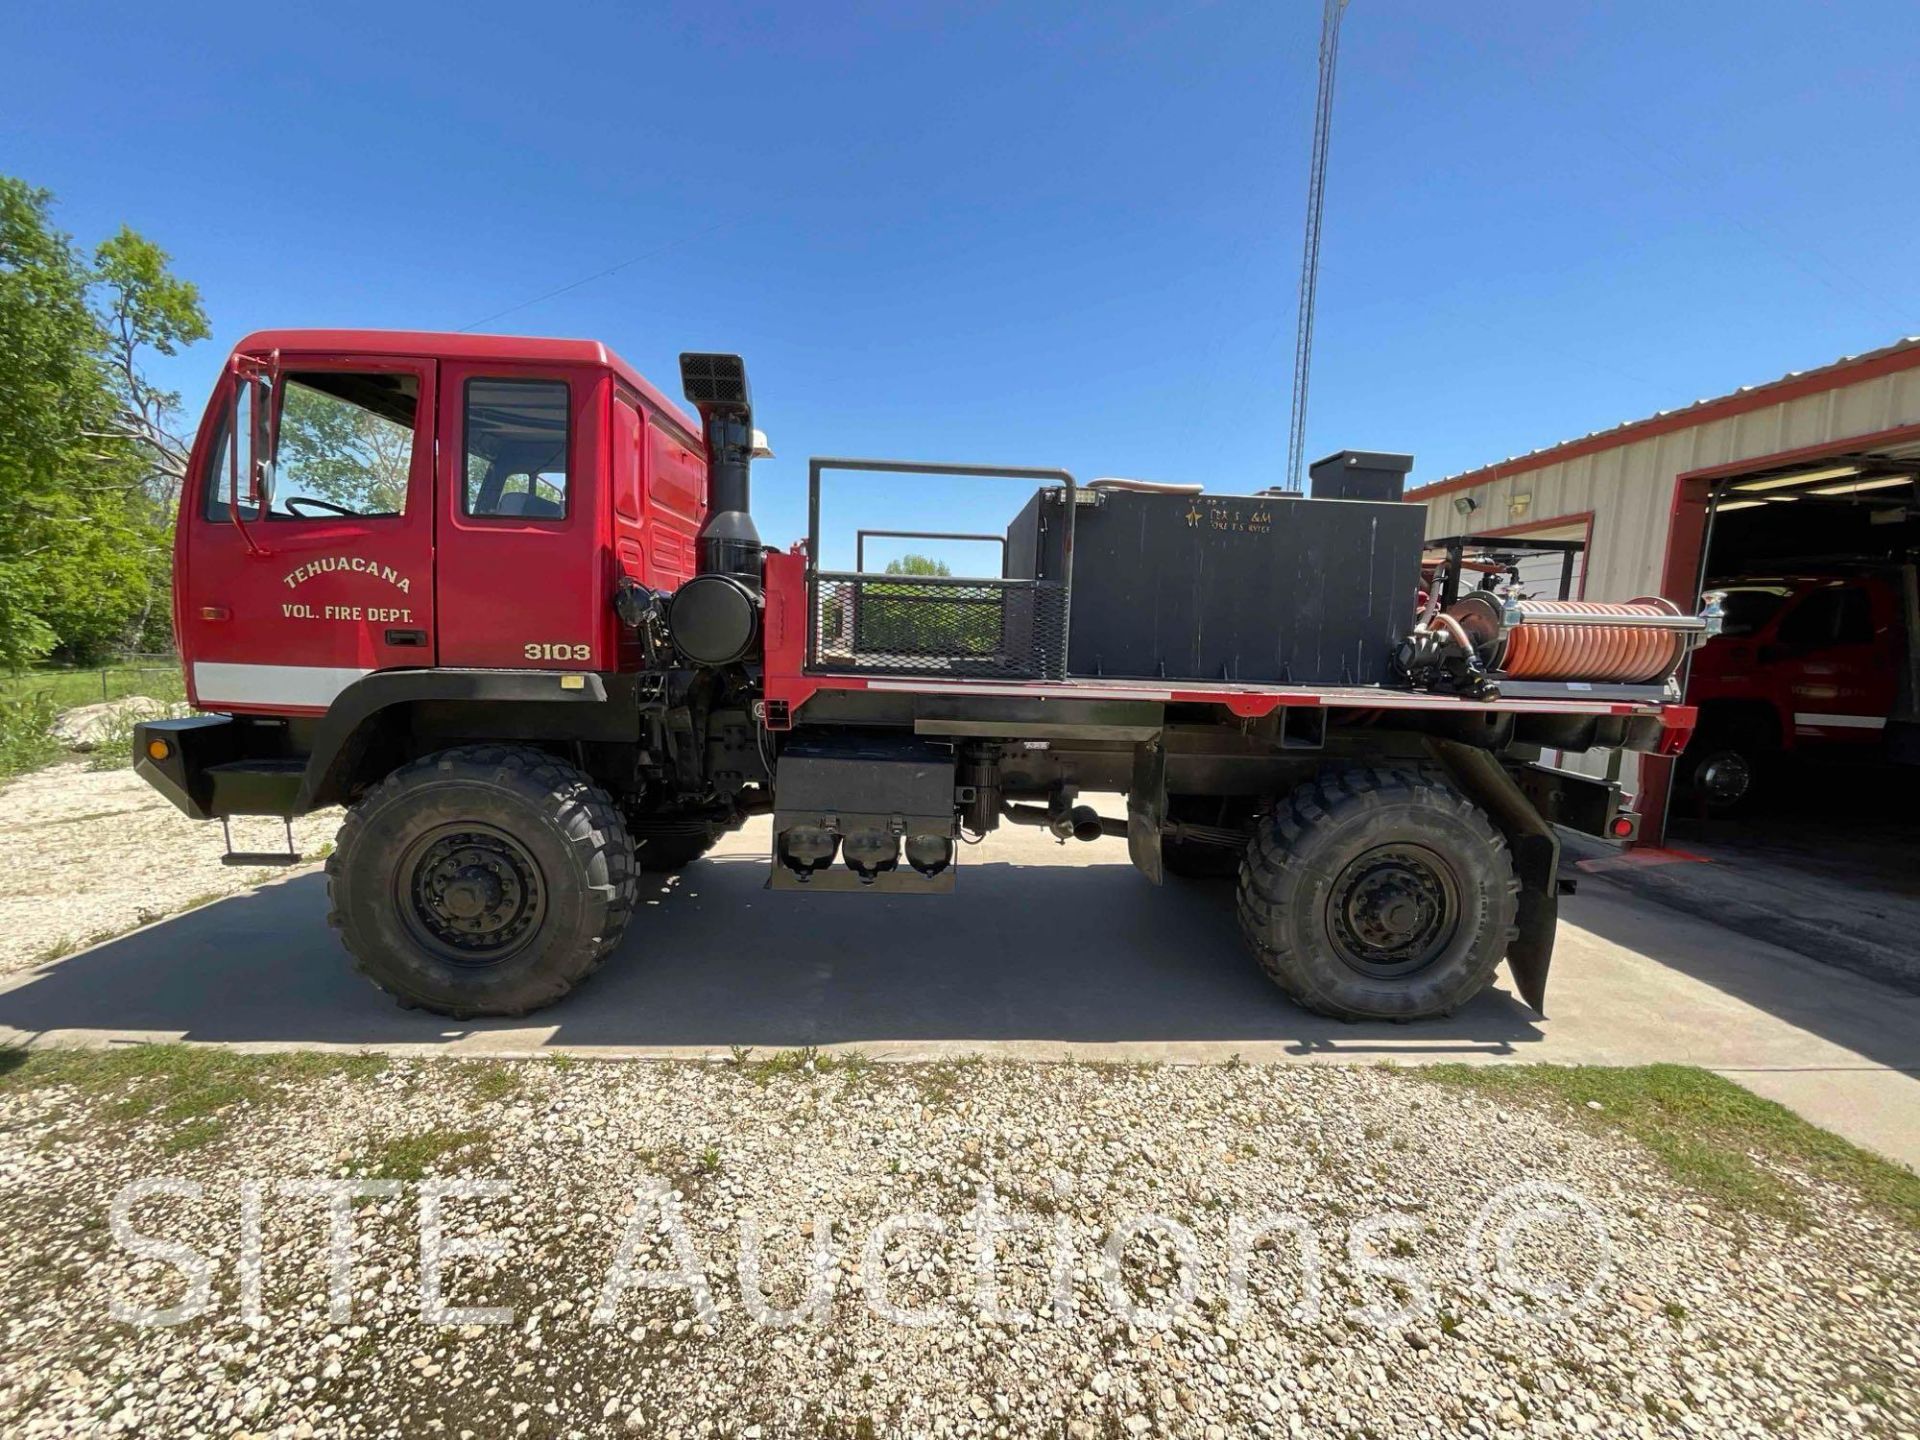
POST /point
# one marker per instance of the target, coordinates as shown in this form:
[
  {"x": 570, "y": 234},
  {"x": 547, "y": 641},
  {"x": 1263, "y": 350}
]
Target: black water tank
[
  {"x": 1360, "y": 475},
  {"x": 1258, "y": 588}
]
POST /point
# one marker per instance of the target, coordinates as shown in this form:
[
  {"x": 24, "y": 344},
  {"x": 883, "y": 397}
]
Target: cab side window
[
  {"x": 516, "y": 449},
  {"x": 345, "y": 447},
  {"x": 1835, "y": 616}
]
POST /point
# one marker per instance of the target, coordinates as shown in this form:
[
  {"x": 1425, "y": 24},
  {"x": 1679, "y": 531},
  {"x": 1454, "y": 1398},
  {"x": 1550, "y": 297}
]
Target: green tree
[
  {"x": 918, "y": 565},
  {"x": 148, "y": 308},
  {"x": 88, "y": 469},
  {"x": 51, "y": 392}
]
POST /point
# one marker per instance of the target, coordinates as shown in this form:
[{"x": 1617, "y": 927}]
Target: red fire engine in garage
[{"x": 506, "y": 602}]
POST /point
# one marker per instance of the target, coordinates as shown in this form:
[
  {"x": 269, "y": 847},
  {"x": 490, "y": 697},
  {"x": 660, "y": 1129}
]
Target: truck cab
[{"x": 403, "y": 501}]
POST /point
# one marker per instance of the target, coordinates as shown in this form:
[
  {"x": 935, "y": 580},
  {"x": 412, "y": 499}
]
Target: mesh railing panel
[{"x": 925, "y": 625}]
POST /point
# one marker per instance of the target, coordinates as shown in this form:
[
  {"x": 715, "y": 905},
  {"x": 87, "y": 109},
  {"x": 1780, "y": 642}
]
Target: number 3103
[{"x": 537, "y": 651}]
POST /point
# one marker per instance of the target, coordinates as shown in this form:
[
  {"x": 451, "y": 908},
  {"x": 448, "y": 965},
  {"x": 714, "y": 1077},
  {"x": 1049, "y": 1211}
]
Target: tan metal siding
[{"x": 1629, "y": 488}]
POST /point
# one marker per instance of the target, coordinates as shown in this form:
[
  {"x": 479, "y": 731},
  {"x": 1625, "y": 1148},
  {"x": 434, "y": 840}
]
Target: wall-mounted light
[{"x": 1466, "y": 504}]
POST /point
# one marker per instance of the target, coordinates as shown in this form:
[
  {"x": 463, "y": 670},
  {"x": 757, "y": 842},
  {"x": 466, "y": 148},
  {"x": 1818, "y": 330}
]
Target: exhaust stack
[{"x": 729, "y": 544}]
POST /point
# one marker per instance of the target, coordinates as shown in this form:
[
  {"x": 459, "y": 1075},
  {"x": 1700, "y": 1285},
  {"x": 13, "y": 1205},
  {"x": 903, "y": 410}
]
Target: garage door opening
[{"x": 1808, "y": 747}]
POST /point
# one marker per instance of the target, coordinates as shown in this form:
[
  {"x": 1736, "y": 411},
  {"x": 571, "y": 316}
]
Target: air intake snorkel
[{"x": 729, "y": 544}]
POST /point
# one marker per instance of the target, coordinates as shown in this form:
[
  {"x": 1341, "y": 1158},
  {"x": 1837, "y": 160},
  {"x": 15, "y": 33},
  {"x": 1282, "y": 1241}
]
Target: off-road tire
[
  {"x": 1298, "y": 867},
  {"x": 566, "y": 827}
]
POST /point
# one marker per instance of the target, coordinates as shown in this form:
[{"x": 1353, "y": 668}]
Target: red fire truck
[
  {"x": 505, "y": 601},
  {"x": 1818, "y": 665}
]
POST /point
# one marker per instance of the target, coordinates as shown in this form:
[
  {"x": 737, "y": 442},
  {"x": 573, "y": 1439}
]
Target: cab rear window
[{"x": 516, "y": 449}]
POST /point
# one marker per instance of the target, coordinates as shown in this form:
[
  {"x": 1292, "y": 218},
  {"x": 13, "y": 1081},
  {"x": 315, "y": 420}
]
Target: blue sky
[{"x": 1029, "y": 233}]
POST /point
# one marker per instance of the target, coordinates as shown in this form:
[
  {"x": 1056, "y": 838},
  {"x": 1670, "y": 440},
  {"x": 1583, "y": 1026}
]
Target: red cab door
[
  {"x": 318, "y": 570},
  {"x": 522, "y": 575},
  {"x": 1837, "y": 650}
]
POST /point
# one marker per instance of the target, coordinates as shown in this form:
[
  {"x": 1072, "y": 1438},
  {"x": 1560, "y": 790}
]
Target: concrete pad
[
  {"x": 1848, "y": 899},
  {"x": 1044, "y": 951}
]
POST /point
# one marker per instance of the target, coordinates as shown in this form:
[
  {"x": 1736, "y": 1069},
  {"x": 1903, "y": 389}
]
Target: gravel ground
[
  {"x": 93, "y": 853},
  {"x": 1703, "y": 1322}
]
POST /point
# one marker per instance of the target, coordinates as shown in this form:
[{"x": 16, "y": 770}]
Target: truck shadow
[{"x": 1022, "y": 953}]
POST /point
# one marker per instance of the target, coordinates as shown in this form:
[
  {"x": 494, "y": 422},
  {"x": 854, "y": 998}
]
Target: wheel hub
[
  {"x": 1725, "y": 777},
  {"x": 1393, "y": 910},
  {"x": 474, "y": 893}
]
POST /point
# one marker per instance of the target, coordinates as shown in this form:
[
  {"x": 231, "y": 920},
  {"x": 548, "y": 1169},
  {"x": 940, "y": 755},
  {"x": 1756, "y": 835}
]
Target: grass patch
[
  {"x": 189, "y": 1089},
  {"x": 410, "y": 1157},
  {"x": 60, "y": 948},
  {"x": 25, "y": 739},
  {"x": 804, "y": 1063},
  {"x": 491, "y": 1080},
  {"x": 940, "y": 1081},
  {"x": 64, "y": 687},
  {"x": 1705, "y": 1131}
]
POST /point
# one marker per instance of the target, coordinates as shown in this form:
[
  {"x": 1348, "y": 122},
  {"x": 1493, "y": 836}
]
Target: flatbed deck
[{"x": 1246, "y": 699}]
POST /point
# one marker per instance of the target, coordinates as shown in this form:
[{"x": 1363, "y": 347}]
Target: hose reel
[
  {"x": 1496, "y": 635},
  {"x": 1638, "y": 642}
]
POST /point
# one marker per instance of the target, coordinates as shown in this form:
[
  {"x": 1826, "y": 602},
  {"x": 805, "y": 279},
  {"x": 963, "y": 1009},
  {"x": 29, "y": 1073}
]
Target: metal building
[{"x": 1657, "y": 502}]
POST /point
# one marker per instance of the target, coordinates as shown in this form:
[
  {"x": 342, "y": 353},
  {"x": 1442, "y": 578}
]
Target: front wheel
[
  {"x": 485, "y": 880},
  {"x": 1378, "y": 895}
]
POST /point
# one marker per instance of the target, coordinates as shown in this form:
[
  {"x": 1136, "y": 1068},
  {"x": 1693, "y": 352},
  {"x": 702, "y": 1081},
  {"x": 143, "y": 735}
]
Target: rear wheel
[
  {"x": 1378, "y": 894},
  {"x": 486, "y": 880}
]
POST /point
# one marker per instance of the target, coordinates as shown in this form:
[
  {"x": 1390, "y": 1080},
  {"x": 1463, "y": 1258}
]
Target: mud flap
[
  {"x": 1536, "y": 859},
  {"x": 1147, "y": 809},
  {"x": 1535, "y": 847}
]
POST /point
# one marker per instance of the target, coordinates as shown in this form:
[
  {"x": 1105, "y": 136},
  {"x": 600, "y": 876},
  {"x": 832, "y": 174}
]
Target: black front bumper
[{"x": 214, "y": 766}]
